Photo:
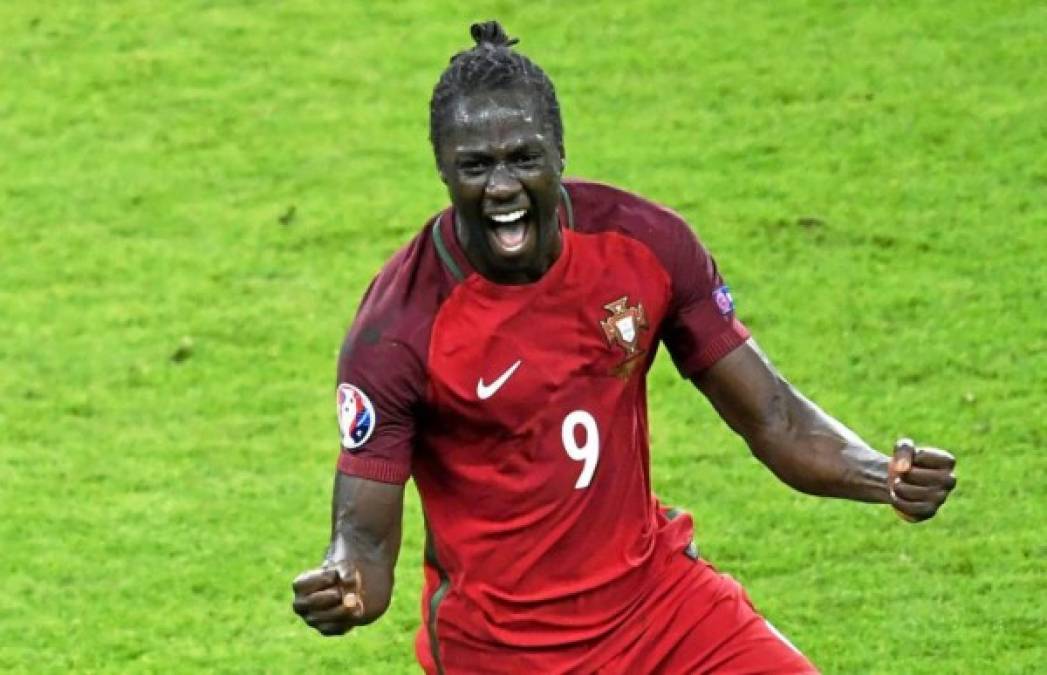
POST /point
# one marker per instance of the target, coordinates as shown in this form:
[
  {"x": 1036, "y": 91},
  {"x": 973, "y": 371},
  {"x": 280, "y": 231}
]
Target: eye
[
  {"x": 472, "y": 166},
  {"x": 528, "y": 160}
]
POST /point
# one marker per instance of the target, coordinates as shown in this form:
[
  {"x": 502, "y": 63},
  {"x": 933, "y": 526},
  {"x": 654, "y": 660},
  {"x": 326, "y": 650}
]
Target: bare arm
[
  {"x": 366, "y": 521},
  {"x": 354, "y": 585},
  {"x": 810, "y": 450}
]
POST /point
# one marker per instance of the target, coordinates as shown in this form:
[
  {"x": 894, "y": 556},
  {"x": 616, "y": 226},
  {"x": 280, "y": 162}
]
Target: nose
[{"x": 502, "y": 185}]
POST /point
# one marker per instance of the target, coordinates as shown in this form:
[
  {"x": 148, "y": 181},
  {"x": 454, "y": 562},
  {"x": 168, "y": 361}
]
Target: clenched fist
[
  {"x": 330, "y": 598},
  {"x": 919, "y": 480}
]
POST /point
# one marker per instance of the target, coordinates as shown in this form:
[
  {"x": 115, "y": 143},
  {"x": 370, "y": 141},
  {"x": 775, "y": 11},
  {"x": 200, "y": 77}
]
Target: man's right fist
[{"x": 330, "y": 598}]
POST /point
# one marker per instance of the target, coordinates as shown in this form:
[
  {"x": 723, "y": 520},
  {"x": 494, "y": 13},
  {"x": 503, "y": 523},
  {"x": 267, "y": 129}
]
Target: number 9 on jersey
[{"x": 588, "y": 451}]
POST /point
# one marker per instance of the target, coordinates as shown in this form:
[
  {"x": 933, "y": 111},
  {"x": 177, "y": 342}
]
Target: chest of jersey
[{"x": 511, "y": 366}]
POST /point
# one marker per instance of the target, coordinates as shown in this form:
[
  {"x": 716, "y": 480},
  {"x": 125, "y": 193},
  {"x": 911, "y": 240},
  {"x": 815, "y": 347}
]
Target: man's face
[{"x": 502, "y": 168}]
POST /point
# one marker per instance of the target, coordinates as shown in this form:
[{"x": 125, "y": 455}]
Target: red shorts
[
  {"x": 688, "y": 634},
  {"x": 696, "y": 621}
]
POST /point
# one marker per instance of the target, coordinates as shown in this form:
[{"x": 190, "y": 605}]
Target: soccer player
[{"x": 500, "y": 359}]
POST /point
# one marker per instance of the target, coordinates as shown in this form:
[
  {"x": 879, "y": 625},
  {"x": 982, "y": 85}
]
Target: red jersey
[{"x": 521, "y": 413}]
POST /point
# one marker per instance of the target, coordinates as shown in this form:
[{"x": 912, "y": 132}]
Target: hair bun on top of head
[{"x": 492, "y": 34}]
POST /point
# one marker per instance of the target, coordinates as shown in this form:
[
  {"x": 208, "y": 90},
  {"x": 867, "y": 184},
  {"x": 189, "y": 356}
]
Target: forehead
[{"x": 495, "y": 118}]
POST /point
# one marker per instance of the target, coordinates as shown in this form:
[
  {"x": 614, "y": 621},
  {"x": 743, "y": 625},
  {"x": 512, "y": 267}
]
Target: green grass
[{"x": 871, "y": 176}]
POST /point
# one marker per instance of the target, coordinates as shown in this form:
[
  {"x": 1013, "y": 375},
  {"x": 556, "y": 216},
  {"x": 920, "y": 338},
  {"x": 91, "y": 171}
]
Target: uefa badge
[
  {"x": 724, "y": 301},
  {"x": 356, "y": 417}
]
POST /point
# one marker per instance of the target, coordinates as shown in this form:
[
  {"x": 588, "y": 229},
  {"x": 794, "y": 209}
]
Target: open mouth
[{"x": 508, "y": 231}]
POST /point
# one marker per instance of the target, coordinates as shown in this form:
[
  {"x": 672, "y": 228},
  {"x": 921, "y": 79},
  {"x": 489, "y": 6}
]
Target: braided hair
[{"x": 491, "y": 64}]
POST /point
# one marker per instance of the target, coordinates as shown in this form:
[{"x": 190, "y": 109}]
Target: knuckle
[
  {"x": 302, "y": 605},
  {"x": 909, "y": 492},
  {"x": 333, "y": 615},
  {"x": 332, "y": 629},
  {"x": 303, "y": 577}
]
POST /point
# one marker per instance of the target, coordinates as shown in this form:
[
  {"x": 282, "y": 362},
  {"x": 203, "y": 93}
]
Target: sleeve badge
[
  {"x": 356, "y": 416},
  {"x": 724, "y": 301}
]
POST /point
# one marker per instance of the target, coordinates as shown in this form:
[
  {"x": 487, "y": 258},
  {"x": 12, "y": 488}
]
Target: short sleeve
[
  {"x": 701, "y": 327},
  {"x": 379, "y": 386}
]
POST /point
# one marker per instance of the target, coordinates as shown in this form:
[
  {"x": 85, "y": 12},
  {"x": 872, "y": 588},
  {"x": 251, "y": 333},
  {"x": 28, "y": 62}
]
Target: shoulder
[
  {"x": 600, "y": 208},
  {"x": 402, "y": 299}
]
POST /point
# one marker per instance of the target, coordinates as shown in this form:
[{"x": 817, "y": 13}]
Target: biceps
[{"x": 747, "y": 392}]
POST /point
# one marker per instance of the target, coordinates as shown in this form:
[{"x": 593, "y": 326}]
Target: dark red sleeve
[
  {"x": 701, "y": 327},
  {"x": 382, "y": 375},
  {"x": 381, "y": 379},
  {"x": 385, "y": 379}
]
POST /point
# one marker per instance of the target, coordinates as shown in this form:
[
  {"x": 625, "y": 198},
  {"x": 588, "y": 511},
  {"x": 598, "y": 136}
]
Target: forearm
[
  {"x": 815, "y": 453},
  {"x": 366, "y": 532},
  {"x": 801, "y": 444}
]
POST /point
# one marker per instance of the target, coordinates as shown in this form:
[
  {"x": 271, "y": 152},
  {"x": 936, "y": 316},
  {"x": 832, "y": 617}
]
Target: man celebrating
[{"x": 500, "y": 359}]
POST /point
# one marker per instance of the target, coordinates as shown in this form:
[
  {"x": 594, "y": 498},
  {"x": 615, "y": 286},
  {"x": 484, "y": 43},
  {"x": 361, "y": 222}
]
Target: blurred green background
[{"x": 194, "y": 195}]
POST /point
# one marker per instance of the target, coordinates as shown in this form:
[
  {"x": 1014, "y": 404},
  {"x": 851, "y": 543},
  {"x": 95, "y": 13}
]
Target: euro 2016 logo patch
[
  {"x": 723, "y": 299},
  {"x": 356, "y": 416}
]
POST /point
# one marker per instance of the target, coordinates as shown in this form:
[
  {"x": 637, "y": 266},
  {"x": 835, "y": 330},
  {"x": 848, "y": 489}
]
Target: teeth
[{"x": 508, "y": 217}]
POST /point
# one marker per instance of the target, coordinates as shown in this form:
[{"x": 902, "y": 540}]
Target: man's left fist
[{"x": 919, "y": 480}]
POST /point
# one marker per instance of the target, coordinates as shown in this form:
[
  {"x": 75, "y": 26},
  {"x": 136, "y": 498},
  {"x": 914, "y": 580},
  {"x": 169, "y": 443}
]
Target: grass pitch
[{"x": 194, "y": 195}]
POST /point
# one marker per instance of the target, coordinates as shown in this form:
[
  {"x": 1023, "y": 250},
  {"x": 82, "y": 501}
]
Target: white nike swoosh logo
[{"x": 486, "y": 391}]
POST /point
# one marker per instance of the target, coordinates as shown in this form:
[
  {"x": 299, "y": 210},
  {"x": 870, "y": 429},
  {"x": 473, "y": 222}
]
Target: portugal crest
[{"x": 623, "y": 328}]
